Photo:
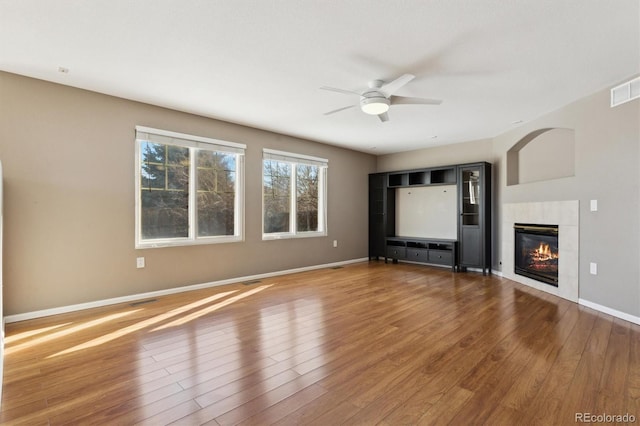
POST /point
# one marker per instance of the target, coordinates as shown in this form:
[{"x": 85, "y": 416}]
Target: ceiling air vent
[{"x": 625, "y": 92}]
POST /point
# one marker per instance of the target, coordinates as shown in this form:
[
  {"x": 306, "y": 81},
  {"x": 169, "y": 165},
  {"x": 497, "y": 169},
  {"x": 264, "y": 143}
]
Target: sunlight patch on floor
[
  {"x": 185, "y": 319},
  {"x": 26, "y": 334},
  {"x": 141, "y": 325},
  {"x": 67, "y": 331}
]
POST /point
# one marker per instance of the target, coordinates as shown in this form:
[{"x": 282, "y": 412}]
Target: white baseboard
[
  {"x": 613, "y": 312},
  {"x": 134, "y": 297}
]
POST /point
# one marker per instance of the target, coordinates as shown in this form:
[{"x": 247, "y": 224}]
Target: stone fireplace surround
[{"x": 565, "y": 214}]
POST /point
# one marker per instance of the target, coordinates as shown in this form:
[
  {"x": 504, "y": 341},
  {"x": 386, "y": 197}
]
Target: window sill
[
  {"x": 187, "y": 242},
  {"x": 287, "y": 236}
]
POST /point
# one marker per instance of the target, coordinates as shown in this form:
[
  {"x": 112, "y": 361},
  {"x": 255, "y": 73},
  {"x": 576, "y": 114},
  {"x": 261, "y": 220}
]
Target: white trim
[
  {"x": 186, "y": 137},
  {"x": 192, "y": 238},
  {"x": 272, "y": 153},
  {"x": 291, "y": 235},
  {"x": 134, "y": 297},
  {"x": 293, "y": 161},
  {"x": 140, "y": 296},
  {"x": 614, "y": 312},
  {"x": 179, "y": 242}
]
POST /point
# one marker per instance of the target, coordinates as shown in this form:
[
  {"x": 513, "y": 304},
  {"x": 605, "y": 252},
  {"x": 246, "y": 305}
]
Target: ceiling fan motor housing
[{"x": 374, "y": 103}]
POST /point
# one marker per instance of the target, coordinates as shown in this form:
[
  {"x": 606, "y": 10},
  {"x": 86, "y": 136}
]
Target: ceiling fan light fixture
[{"x": 374, "y": 105}]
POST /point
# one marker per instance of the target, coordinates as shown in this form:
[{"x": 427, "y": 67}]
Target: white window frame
[
  {"x": 147, "y": 134},
  {"x": 294, "y": 160}
]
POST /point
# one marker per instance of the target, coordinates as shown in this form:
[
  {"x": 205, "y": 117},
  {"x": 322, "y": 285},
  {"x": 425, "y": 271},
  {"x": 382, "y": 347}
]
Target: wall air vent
[{"x": 625, "y": 92}]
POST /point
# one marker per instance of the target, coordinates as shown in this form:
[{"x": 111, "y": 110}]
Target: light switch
[
  {"x": 594, "y": 205},
  {"x": 593, "y": 268}
]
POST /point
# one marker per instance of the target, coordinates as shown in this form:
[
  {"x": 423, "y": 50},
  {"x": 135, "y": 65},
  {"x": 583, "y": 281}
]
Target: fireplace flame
[{"x": 543, "y": 252}]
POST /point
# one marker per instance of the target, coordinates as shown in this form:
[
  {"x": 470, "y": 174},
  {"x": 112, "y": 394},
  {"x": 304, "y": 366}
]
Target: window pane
[
  {"x": 188, "y": 189},
  {"x": 307, "y": 197},
  {"x": 152, "y": 167},
  {"x": 178, "y": 177},
  {"x": 216, "y": 193},
  {"x": 277, "y": 196},
  {"x": 177, "y": 155},
  {"x": 153, "y": 176},
  {"x": 164, "y": 195}
]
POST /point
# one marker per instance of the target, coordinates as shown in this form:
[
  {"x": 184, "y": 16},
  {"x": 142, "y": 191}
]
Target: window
[
  {"x": 188, "y": 189},
  {"x": 293, "y": 195}
]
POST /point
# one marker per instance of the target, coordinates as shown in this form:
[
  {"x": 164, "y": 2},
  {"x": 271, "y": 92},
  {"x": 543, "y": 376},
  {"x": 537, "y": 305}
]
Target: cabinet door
[
  {"x": 471, "y": 196},
  {"x": 377, "y": 210},
  {"x": 471, "y": 215}
]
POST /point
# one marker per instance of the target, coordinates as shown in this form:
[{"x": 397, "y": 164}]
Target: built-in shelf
[
  {"x": 441, "y": 252},
  {"x": 398, "y": 179},
  {"x": 469, "y": 213},
  {"x": 439, "y": 176},
  {"x": 419, "y": 178},
  {"x": 443, "y": 176}
]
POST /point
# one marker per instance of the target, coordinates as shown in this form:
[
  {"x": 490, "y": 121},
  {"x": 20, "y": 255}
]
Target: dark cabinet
[
  {"x": 423, "y": 250},
  {"x": 381, "y": 214},
  {"x": 474, "y": 223},
  {"x": 471, "y": 248},
  {"x": 396, "y": 250}
]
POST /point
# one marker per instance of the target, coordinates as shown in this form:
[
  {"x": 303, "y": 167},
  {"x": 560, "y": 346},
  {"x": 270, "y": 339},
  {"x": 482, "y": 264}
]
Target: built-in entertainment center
[{"x": 438, "y": 215}]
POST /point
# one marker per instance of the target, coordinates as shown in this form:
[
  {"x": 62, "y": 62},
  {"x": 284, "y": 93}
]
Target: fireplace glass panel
[{"x": 536, "y": 252}]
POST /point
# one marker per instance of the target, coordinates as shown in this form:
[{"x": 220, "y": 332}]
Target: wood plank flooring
[{"x": 367, "y": 344}]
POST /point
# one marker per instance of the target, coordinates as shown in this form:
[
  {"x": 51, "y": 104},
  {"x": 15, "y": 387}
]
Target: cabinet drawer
[
  {"x": 417, "y": 255},
  {"x": 396, "y": 252},
  {"x": 440, "y": 257}
]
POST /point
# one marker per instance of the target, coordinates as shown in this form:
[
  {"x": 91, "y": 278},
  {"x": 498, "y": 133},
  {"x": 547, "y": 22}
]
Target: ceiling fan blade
[
  {"x": 392, "y": 87},
  {"x": 383, "y": 117},
  {"x": 339, "y": 109},
  {"x": 335, "y": 89},
  {"x": 400, "y": 100}
]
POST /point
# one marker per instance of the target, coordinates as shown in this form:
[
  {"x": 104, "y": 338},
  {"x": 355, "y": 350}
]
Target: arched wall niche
[{"x": 544, "y": 154}]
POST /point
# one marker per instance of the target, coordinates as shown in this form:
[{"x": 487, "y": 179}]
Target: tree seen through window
[
  {"x": 292, "y": 196},
  {"x": 164, "y": 191}
]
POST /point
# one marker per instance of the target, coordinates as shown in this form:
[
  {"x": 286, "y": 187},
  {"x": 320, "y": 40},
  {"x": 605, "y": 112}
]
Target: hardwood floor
[{"x": 367, "y": 344}]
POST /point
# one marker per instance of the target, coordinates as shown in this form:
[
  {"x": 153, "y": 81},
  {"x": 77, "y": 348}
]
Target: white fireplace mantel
[{"x": 565, "y": 214}]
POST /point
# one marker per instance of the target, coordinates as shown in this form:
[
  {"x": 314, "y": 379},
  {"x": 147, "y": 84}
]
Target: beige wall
[
  {"x": 69, "y": 200},
  {"x": 607, "y": 159},
  {"x": 549, "y": 156},
  {"x": 607, "y": 153},
  {"x": 467, "y": 152}
]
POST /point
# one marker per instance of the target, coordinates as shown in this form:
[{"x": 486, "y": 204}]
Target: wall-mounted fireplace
[{"x": 536, "y": 252}]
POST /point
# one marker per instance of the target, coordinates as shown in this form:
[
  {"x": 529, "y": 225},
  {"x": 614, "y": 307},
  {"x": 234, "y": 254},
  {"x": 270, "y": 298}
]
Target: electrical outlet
[
  {"x": 335, "y": 243},
  {"x": 593, "y": 268},
  {"x": 140, "y": 262}
]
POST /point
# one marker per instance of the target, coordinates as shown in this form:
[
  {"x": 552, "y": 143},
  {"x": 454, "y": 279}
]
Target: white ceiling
[{"x": 260, "y": 63}]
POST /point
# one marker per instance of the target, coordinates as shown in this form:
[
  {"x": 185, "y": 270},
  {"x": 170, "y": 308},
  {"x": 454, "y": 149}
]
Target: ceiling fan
[{"x": 379, "y": 96}]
